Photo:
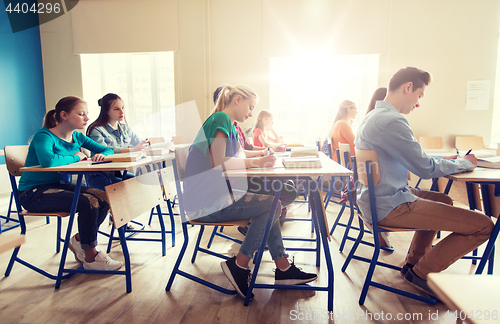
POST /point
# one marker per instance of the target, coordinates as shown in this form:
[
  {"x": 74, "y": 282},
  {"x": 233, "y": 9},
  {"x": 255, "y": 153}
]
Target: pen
[
  {"x": 101, "y": 162},
  {"x": 268, "y": 151},
  {"x": 458, "y": 152},
  {"x": 468, "y": 152}
]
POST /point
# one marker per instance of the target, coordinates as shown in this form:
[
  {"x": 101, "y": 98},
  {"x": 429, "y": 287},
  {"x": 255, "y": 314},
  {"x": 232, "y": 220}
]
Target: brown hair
[
  {"x": 105, "y": 104},
  {"x": 262, "y": 114},
  {"x": 418, "y": 77},
  {"x": 66, "y": 104},
  {"x": 379, "y": 94}
]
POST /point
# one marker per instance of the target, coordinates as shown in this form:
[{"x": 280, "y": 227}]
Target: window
[
  {"x": 305, "y": 92},
  {"x": 145, "y": 82}
]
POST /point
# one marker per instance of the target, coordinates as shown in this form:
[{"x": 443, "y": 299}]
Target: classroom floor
[{"x": 27, "y": 297}]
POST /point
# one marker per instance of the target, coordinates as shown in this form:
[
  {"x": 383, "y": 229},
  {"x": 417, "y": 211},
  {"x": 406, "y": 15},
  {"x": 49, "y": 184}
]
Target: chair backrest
[
  {"x": 154, "y": 140},
  {"x": 494, "y": 201},
  {"x": 362, "y": 156},
  {"x": 133, "y": 197},
  {"x": 469, "y": 142},
  {"x": 181, "y": 155},
  {"x": 343, "y": 149},
  {"x": 15, "y": 156},
  {"x": 178, "y": 140},
  {"x": 431, "y": 142}
]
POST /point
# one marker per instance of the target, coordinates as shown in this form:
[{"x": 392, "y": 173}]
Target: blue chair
[
  {"x": 179, "y": 164},
  {"x": 8, "y": 218},
  {"x": 15, "y": 156},
  {"x": 369, "y": 174}
]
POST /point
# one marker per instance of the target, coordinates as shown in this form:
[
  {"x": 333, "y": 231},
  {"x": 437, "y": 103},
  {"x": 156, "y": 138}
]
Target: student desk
[
  {"x": 81, "y": 168},
  {"x": 469, "y": 298},
  {"x": 311, "y": 175},
  {"x": 483, "y": 177}
]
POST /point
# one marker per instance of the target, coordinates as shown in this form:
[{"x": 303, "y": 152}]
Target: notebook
[
  {"x": 302, "y": 162},
  {"x": 489, "y": 162}
]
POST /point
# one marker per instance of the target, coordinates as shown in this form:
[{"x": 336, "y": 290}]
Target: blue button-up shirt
[
  {"x": 387, "y": 132},
  {"x": 115, "y": 139}
]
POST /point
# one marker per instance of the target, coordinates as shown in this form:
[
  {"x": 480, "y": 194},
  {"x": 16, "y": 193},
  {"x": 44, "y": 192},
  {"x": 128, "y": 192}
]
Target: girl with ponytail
[
  {"x": 58, "y": 143},
  {"x": 207, "y": 197}
]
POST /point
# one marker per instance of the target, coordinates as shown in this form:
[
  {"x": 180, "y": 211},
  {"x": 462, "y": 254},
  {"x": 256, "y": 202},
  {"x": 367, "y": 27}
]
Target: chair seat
[
  {"x": 393, "y": 229},
  {"x": 242, "y": 222},
  {"x": 60, "y": 214}
]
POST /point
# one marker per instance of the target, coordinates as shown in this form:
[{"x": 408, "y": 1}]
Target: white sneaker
[
  {"x": 76, "y": 248},
  {"x": 102, "y": 262}
]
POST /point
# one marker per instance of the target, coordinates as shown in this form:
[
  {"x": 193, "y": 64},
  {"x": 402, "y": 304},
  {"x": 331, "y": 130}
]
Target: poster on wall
[{"x": 478, "y": 95}]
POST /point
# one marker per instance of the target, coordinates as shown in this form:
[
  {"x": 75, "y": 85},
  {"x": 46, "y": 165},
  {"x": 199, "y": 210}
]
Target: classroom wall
[
  {"x": 22, "y": 102},
  {"x": 220, "y": 41}
]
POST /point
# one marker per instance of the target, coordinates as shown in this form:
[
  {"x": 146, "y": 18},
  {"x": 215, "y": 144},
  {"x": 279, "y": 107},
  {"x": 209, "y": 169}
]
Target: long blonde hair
[
  {"x": 341, "y": 114},
  {"x": 228, "y": 92},
  {"x": 262, "y": 114}
]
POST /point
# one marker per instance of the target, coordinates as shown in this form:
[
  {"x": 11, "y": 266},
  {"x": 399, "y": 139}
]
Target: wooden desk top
[
  {"x": 474, "y": 295},
  {"x": 113, "y": 166},
  {"x": 328, "y": 168},
  {"x": 9, "y": 241},
  {"x": 478, "y": 175}
]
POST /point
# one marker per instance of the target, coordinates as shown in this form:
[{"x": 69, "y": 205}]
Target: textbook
[
  {"x": 302, "y": 162},
  {"x": 489, "y": 162},
  {"x": 125, "y": 157},
  {"x": 304, "y": 151}
]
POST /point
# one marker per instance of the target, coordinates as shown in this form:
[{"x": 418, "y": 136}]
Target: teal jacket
[{"x": 48, "y": 150}]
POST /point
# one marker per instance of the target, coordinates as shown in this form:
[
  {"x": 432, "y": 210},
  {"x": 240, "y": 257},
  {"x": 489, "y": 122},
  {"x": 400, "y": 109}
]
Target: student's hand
[
  {"x": 472, "y": 158},
  {"x": 267, "y": 161},
  {"x": 81, "y": 155},
  {"x": 98, "y": 157},
  {"x": 281, "y": 148},
  {"x": 451, "y": 157},
  {"x": 139, "y": 147}
]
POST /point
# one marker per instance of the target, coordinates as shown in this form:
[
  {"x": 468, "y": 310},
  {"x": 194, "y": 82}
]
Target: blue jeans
[
  {"x": 257, "y": 208},
  {"x": 98, "y": 181},
  {"x": 92, "y": 206}
]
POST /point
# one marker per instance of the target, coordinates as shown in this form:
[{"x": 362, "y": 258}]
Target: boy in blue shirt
[{"x": 387, "y": 132}]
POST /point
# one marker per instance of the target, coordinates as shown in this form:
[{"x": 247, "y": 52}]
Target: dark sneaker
[
  {"x": 238, "y": 277},
  {"x": 243, "y": 230},
  {"x": 293, "y": 276},
  {"x": 419, "y": 283},
  {"x": 405, "y": 268}
]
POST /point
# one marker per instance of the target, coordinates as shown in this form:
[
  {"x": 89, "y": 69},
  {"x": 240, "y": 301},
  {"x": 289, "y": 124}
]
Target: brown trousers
[{"x": 433, "y": 212}]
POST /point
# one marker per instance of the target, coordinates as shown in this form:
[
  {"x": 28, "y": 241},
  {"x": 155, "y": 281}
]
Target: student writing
[{"x": 58, "y": 143}]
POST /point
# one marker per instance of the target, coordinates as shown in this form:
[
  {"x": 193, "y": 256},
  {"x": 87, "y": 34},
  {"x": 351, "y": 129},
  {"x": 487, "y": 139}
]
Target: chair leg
[
  {"x": 197, "y": 246},
  {"x": 355, "y": 245},
  {"x": 337, "y": 219},
  {"x": 162, "y": 229},
  {"x": 179, "y": 258},
  {"x": 172, "y": 221},
  {"x": 212, "y": 237},
  {"x": 347, "y": 228},
  {"x": 371, "y": 269},
  {"x": 59, "y": 238},
  {"x": 126, "y": 256},
  {"x": 151, "y": 216},
  {"x": 110, "y": 238}
]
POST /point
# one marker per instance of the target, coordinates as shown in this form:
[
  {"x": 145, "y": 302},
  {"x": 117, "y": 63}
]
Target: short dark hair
[{"x": 418, "y": 77}]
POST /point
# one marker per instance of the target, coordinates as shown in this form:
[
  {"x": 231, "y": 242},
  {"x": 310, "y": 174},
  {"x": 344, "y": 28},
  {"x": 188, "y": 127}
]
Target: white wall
[{"x": 220, "y": 41}]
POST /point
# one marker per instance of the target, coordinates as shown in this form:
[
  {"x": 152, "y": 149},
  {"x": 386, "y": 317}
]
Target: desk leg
[
  {"x": 490, "y": 247},
  {"x": 262, "y": 248},
  {"x": 323, "y": 232},
  {"x": 68, "y": 231}
]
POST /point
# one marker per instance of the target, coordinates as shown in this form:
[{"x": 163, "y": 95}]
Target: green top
[{"x": 48, "y": 150}]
